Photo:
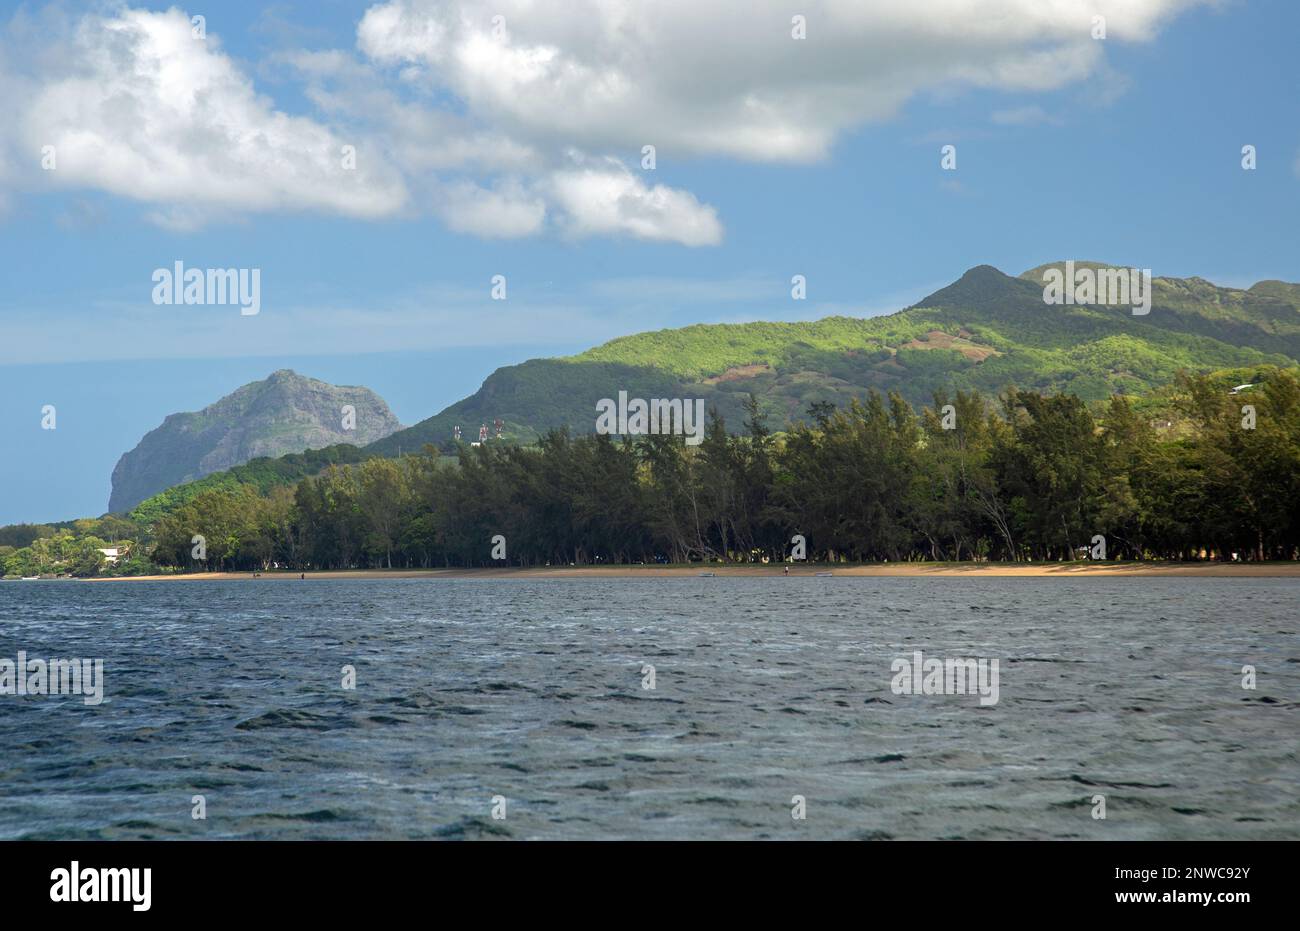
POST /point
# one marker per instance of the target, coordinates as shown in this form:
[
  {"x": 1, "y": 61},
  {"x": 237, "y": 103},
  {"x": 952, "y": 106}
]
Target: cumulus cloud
[
  {"x": 728, "y": 78},
  {"x": 500, "y": 116},
  {"x": 417, "y": 137},
  {"x": 601, "y": 197},
  {"x": 146, "y": 110},
  {"x": 505, "y": 212},
  {"x": 609, "y": 199}
]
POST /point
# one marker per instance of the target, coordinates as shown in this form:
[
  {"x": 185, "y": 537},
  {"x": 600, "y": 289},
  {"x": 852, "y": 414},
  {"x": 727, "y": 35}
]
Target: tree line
[
  {"x": 74, "y": 548},
  {"x": 1028, "y": 477}
]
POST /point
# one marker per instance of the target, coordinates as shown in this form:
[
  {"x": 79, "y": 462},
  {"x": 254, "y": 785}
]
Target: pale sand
[{"x": 941, "y": 570}]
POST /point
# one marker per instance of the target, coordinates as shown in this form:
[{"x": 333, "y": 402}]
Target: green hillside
[
  {"x": 985, "y": 331},
  {"x": 263, "y": 474},
  {"x": 530, "y": 398}
]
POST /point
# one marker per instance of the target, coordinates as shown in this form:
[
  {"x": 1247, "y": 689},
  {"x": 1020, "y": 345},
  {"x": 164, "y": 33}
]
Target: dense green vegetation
[
  {"x": 73, "y": 548},
  {"x": 1028, "y": 477},
  {"x": 985, "y": 331},
  {"x": 262, "y": 474},
  {"x": 1167, "y": 473},
  {"x": 1037, "y": 477},
  {"x": 530, "y": 399}
]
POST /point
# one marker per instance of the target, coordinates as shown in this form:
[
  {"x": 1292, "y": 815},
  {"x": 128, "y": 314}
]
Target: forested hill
[{"x": 985, "y": 331}]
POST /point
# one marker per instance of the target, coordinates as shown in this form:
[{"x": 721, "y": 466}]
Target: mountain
[
  {"x": 984, "y": 331},
  {"x": 285, "y": 413}
]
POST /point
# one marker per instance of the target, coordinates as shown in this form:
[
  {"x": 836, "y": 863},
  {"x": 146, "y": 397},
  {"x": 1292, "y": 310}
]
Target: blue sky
[{"x": 523, "y": 159}]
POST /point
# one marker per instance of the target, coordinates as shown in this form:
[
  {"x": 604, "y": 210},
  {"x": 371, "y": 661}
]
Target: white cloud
[
  {"x": 506, "y": 212},
  {"x": 145, "y": 110},
  {"x": 584, "y": 201},
  {"x": 728, "y": 78},
  {"x": 511, "y": 135},
  {"x": 418, "y": 138},
  {"x": 609, "y": 199}
]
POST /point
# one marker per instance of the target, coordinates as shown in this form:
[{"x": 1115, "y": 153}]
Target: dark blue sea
[{"x": 528, "y": 697}]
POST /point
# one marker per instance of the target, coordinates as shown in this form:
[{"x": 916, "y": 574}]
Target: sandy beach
[{"x": 938, "y": 570}]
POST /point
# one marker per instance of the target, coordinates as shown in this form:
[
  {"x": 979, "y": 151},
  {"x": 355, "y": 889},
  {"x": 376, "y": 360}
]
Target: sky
[{"x": 379, "y": 164}]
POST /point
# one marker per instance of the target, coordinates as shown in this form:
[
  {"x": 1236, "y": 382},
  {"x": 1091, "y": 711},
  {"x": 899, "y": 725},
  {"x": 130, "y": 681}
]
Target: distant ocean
[{"x": 529, "y": 699}]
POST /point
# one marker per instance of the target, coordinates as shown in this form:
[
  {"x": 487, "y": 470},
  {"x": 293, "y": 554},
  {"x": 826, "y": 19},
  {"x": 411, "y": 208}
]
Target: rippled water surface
[{"x": 765, "y": 689}]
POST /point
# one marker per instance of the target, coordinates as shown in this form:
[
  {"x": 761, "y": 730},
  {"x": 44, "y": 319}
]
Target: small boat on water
[
  {"x": 824, "y": 575},
  {"x": 31, "y": 578},
  {"x": 706, "y": 575}
]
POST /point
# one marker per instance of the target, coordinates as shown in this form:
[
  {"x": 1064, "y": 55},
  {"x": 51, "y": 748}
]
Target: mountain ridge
[
  {"x": 984, "y": 331},
  {"x": 281, "y": 414}
]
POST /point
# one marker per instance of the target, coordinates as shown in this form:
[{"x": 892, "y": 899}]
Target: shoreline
[{"x": 884, "y": 570}]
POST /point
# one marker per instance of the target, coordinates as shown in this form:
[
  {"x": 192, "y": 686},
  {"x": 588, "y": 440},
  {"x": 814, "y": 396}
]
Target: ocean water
[{"x": 470, "y": 691}]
